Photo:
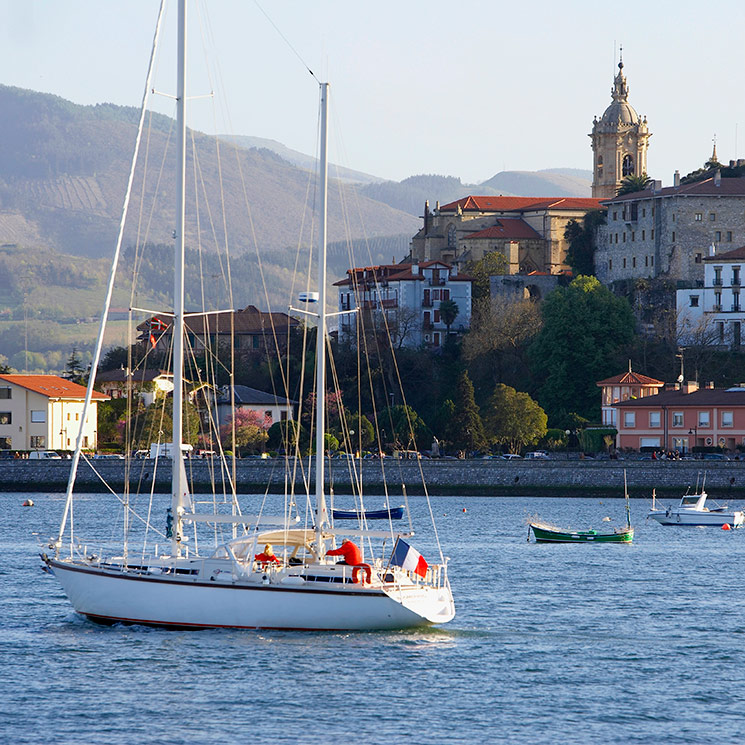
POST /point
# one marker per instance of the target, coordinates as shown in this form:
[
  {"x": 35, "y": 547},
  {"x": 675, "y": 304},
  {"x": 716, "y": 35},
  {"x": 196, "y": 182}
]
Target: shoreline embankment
[{"x": 551, "y": 478}]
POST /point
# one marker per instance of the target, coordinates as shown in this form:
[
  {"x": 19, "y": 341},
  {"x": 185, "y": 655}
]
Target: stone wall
[{"x": 446, "y": 477}]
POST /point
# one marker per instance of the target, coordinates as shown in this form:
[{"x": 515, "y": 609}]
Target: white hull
[
  {"x": 694, "y": 517},
  {"x": 284, "y": 603}
]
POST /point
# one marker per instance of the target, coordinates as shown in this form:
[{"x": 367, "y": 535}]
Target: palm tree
[
  {"x": 448, "y": 313},
  {"x": 633, "y": 183}
]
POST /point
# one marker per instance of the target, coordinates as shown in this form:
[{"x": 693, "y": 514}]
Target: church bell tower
[{"x": 619, "y": 142}]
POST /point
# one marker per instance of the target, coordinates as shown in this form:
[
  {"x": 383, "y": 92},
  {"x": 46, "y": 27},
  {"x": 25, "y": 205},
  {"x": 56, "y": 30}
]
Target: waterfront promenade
[{"x": 560, "y": 478}]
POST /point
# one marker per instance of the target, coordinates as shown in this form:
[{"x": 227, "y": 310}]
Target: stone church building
[{"x": 620, "y": 139}]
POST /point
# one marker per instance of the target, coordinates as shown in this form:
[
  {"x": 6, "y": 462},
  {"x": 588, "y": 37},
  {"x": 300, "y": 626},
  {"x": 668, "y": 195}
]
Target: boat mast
[
  {"x": 321, "y": 335},
  {"x": 178, "y": 487}
]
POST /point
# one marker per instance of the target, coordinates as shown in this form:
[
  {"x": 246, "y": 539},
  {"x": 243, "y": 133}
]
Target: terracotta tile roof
[
  {"x": 631, "y": 378},
  {"x": 507, "y": 228},
  {"x": 521, "y": 204},
  {"x": 737, "y": 253},
  {"x": 138, "y": 376},
  {"x": 51, "y": 386},
  {"x": 247, "y": 321},
  {"x": 703, "y": 397},
  {"x": 728, "y": 187},
  {"x": 397, "y": 273}
]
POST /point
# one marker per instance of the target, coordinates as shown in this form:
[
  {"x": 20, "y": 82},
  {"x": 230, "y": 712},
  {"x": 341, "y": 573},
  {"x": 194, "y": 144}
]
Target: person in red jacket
[
  {"x": 267, "y": 556},
  {"x": 350, "y": 552}
]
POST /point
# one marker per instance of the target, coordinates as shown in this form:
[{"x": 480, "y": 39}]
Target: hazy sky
[{"x": 464, "y": 89}]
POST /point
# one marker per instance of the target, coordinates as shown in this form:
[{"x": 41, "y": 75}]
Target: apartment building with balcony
[
  {"x": 714, "y": 313},
  {"x": 404, "y": 301}
]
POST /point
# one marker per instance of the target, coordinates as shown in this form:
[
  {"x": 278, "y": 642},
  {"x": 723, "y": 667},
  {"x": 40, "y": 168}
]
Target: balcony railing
[
  {"x": 427, "y": 302},
  {"x": 735, "y": 307},
  {"x": 716, "y": 308},
  {"x": 735, "y": 281},
  {"x": 436, "y": 282},
  {"x": 717, "y": 281}
]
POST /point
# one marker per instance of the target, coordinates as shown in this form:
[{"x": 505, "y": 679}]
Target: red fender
[{"x": 356, "y": 573}]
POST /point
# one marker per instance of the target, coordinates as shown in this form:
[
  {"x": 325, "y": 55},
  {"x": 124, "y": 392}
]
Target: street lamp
[{"x": 693, "y": 432}]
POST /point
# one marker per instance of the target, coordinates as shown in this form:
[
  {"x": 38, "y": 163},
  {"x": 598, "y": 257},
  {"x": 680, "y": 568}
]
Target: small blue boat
[{"x": 387, "y": 513}]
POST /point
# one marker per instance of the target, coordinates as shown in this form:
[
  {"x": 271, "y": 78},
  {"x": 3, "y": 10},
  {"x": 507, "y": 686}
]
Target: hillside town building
[
  {"x": 42, "y": 412},
  {"x": 714, "y": 314},
  {"x": 248, "y": 330},
  {"x": 683, "y": 417},
  {"x": 666, "y": 232},
  {"x": 624, "y": 387},
  {"x": 620, "y": 139},
  {"x": 403, "y": 300},
  {"x": 527, "y": 231}
]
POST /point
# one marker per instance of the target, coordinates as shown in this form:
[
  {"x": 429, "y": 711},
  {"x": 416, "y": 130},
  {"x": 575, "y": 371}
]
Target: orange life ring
[{"x": 356, "y": 573}]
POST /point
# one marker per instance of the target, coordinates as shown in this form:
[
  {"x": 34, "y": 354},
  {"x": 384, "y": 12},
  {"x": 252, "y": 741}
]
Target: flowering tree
[{"x": 250, "y": 431}]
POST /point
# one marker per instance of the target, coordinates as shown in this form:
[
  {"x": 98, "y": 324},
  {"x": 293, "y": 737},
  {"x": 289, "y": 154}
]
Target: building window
[
  {"x": 633, "y": 261},
  {"x": 651, "y": 261},
  {"x": 644, "y": 212},
  {"x": 615, "y": 215},
  {"x": 646, "y": 261},
  {"x": 654, "y": 418},
  {"x": 697, "y": 259},
  {"x": 698, "y": 217},
  {"x": 677, "y": 419},
  {"x": 651, "y": 232},
  {"x": 629, "y": 419},
  {"x": 717, "y": 275},
  {"x": 610, "y": 264},
  {"x": 673, "y": 236},
  {"x": 693, "y": 301},
  {"x": 268, "y": 415},
  {"x": 735, "y": 276},
  {"x": 718, "y": 236},
  {"x": 628, "y": 165},
  {"x": 38, "y": 416},
  {"x": 6, "y": 417},
  {"x": 703, "y": 419},
  {"x": 729, "y": 236},
  {"x": 624, "y": 236},
  {"x": 5, "y": 393},
  {"x": 37, "y": 442},
  {"x": 720, "y": 331},
  {"x": 712, "y": 216},
  {"x": 624, "y": 263},
  {"x": 644, "y": 235},
  {"x": 728, "y": 419}
]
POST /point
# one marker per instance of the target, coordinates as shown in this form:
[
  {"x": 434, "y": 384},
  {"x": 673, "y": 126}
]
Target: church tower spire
[{"x": 620, "y": 139}]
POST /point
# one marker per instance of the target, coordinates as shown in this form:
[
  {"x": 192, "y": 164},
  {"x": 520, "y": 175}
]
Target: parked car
[
  {"x": 537, "y": 455},
  {"x": 44, "y": 455},
  {"x": 511, "y": 456},
  {"x": 714, "y": 456},
  {"x": 108, "y": 456}
]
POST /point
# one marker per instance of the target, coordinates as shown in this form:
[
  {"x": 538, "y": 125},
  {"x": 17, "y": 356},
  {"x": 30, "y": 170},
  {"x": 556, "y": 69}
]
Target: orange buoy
[
  {"x": 464, "y": 509},
  {"x": 726, "y": 527}
]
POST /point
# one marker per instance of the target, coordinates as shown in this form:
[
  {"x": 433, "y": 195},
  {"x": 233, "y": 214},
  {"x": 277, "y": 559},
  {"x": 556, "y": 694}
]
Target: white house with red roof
[
  {"x": 43, "y": 412},
  {"x": 529, "y": 231},
  {"x": 627, "y": 386},
  {"x": 714, "y": 313},
  {"x": 407, "y": 297}
]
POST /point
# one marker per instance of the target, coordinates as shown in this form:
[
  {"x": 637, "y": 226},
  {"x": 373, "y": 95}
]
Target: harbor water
[{"x": 640, "y": 643}]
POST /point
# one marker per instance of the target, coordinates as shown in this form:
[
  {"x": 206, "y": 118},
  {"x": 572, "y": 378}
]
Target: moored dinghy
[
  {"x": 547, "y": 533},
  {"x": 694, "y": 509}
]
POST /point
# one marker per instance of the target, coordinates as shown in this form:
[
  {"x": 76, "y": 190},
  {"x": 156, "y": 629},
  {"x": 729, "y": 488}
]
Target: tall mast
[
  {"x": 178, "y": 485},
  {"x": 321, "y": 338}
]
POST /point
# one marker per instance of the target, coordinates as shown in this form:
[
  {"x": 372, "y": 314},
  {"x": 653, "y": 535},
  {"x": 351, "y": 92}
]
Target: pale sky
[{"x": 462, "y": 89}]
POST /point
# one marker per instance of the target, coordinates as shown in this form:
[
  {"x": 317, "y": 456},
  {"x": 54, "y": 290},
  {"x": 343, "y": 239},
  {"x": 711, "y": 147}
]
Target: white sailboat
[{"x": 233, "y": 585}]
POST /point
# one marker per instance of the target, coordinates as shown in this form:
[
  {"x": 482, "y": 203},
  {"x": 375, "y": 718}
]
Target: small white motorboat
[{"x": 693, "y": 510}]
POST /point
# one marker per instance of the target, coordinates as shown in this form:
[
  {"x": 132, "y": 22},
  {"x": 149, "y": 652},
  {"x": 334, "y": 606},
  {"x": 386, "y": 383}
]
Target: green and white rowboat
[{"x": 549, "y": 534}]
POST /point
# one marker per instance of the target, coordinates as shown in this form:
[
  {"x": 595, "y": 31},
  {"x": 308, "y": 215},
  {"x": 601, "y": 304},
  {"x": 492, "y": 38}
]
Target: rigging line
[
  {"x": 110, "y": 288},
  {"x": 284, "y": 38}
]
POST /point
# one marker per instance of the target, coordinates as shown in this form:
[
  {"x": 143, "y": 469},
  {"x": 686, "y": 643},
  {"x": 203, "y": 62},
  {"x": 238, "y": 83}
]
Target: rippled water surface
[{"x": 638, "y": 643}]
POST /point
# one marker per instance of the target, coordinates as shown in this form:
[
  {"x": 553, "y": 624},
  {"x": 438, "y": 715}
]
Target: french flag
[{"x": 408, "y": 558}]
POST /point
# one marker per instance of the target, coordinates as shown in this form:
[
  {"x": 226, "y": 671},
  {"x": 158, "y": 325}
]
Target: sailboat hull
[{"x": 118, "y": 597}]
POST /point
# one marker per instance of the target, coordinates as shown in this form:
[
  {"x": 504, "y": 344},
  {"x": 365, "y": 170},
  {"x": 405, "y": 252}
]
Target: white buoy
[{"x": 28, "y": 503}]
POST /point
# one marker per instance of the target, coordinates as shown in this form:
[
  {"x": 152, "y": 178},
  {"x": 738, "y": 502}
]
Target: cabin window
[
  {"x": 677, "y": 419},
  {"x": 654, "y": 418},
  {"x": 39, "y": 416},
  {"x": 704, "y": 419},
  {"x": 629, "y": 419},
  {"x": 728, "y": 419}
]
